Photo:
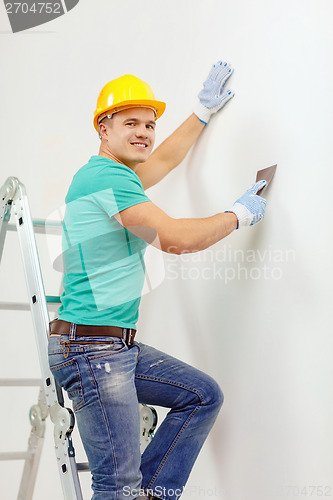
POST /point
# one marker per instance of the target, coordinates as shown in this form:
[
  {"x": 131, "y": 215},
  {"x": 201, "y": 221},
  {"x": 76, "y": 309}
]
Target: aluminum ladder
[{"x": 50, "y": 401}]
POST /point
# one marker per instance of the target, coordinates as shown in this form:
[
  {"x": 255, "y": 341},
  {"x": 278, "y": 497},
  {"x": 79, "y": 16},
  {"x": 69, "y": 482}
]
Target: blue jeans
[{"x": 105, "y": 380}]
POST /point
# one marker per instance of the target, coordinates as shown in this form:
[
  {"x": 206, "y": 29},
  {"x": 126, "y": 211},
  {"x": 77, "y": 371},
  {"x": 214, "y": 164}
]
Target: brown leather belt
[{"x": 60, "y": 327}]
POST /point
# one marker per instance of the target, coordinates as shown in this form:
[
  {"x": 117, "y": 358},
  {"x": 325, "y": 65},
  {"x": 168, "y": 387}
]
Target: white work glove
[
  {"x": 250, "y": 208},
  {"x": 212, "y": 97}
]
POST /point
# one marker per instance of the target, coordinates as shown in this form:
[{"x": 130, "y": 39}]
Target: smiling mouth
[{"x": 139, "y": 145}]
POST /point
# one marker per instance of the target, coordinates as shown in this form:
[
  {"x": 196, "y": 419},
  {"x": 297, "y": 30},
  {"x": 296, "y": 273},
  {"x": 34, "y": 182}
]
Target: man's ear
[{"x": 101, "y": 130}]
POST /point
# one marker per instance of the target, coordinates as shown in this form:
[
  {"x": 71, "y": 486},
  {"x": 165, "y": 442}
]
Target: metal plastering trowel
[{"x": 267, "y": 175}]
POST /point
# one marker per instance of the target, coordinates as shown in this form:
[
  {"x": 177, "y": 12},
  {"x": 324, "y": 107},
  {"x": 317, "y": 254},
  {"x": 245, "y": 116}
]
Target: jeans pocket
[
  {"x": 67, "y": 374},
  {"x": 99, "y": 349}
]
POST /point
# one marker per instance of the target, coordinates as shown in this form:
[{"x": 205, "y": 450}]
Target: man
[{"x": 108, "y": 222}]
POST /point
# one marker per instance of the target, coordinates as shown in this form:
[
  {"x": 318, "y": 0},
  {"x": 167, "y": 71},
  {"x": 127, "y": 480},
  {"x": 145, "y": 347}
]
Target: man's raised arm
[{"x": 173, "y": 150}]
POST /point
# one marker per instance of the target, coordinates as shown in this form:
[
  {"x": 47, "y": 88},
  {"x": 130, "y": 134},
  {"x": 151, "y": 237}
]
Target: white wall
[{"x": 262, "y": 328}]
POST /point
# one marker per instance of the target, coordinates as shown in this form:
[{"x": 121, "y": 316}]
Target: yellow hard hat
[{"x": 126, "y": 92}]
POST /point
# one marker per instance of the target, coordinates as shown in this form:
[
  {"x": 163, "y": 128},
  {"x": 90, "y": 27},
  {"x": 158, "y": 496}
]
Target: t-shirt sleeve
[{"x": 122, "y": 190}]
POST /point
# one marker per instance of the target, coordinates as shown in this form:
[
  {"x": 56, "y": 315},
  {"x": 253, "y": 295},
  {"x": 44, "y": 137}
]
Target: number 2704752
[{"x": 35, "y": 8}]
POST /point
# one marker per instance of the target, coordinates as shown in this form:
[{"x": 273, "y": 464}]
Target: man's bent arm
[
  {"x": 176, "y": 235},
  {"x": 170, "y": 153}
]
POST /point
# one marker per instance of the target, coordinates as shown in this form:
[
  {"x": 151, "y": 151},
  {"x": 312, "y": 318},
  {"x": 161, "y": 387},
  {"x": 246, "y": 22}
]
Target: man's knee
[{"x": 214, "y": 396}]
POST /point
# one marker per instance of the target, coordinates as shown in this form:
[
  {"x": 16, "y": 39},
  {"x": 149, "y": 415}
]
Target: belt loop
[
  {"x": 130, "y": 335},
  {"x": 65, "y": 348},
  {"x": 50, "y": 325},
  {"x": 72, "y": 331},
  {"x": 127, "y": 335}
]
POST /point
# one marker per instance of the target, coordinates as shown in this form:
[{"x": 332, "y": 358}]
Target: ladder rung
[
  {"x": 42, "y": 226},
  {"x": 20, "y": 382},
  {"x": 47, "y": 226},
  {"x": 15, "y": 455},
  {"x": 46, "y": 223},
  {"x": 53, "y": 305},
  {"x": 83, "y": 466},
  {"x": 15, "y": 306},
  {"x": 53, "y": 299}
]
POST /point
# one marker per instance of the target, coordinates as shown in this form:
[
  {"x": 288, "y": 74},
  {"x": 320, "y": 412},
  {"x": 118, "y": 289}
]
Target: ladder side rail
[
  {"x": 7, "y": 193},
  {"x": 38, "y": 414},
  {"x": 35, "y": 289},
  {"x": 68, "y": 475},
  {"x": 4, "y": 219},
  {"x": 30, "y": 469}
]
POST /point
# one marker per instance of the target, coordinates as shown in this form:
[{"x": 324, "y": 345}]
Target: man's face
[{"x": 130, "y": 135}]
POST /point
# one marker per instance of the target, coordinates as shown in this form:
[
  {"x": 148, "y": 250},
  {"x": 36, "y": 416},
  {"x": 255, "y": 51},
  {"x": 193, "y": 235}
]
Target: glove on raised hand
[
  {"x": 250, "y": 208},
  {"x": 212, "y": 97}
]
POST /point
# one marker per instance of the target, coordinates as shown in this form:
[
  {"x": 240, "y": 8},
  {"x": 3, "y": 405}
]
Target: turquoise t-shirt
[{"x": 104, "y": 269}]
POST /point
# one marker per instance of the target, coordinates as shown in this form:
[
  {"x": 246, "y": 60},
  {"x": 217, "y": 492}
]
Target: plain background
[{"x": 254, "y": 310}]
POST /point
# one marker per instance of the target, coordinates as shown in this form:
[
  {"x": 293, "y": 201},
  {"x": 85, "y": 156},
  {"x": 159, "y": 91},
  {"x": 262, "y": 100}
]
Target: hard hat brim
[{"x": 159, "y": 106}]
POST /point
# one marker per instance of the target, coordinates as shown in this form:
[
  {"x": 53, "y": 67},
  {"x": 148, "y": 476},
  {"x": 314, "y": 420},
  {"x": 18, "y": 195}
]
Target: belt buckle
[{"x": 127, "y": 335}]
